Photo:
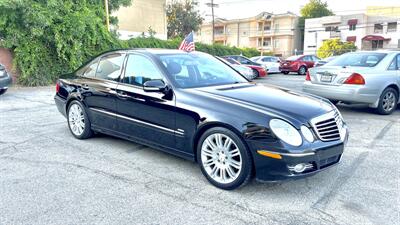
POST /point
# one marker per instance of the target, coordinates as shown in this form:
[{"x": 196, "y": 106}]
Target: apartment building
[
  {"x": 277, "y": 33},
  {"x": 141, "y": 16},
  {"x": 378, "y": 28}
]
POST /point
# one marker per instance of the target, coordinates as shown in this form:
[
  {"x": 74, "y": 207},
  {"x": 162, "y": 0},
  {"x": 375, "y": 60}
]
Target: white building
[{"x": 369, "y": 31}]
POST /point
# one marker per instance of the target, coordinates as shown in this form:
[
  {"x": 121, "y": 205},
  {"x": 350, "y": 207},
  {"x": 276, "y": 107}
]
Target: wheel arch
[{"x": 202, "y": 129}]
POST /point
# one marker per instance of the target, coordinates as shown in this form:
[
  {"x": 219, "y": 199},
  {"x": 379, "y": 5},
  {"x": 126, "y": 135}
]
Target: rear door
[
  {"x": 99, "y": 89},
  {"x": 148, "y": 116}
]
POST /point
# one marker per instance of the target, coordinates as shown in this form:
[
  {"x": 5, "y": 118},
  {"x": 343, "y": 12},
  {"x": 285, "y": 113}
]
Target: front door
[{"x": 147, "y": 116}]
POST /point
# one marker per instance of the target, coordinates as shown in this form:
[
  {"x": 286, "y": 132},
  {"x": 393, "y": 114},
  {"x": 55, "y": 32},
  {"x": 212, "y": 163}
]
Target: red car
[
  {"x": 258, "y": 70},
  {"x": 298, "y": 64}
]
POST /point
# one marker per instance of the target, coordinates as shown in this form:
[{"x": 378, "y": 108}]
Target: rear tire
[
  {"x": 285, "y": 72},
  {"x": 302, "y": 70},
  {"x": 224, "y": 159},
  {"x": 256, "y": 74},
  {"x": 388, "y": 101},
  {"x": 78, "y": 121}
]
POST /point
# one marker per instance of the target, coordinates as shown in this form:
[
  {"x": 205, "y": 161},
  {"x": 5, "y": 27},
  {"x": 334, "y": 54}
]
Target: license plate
[{"x": 326, "y": 78}]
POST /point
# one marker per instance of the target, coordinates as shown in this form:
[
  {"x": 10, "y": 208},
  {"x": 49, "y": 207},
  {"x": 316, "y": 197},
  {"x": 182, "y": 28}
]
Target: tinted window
[
  {"x": 140, "y": 69},
  {"x": 110, "y": 67},
  {"x": 315, "y": 58},
  {"x": 199, "y": 70},
  {"x": 267, "y": 59},
  {"x": 243, "y": 60},
  {"x": 362, "y": 59},
  {"x": 90, "y": 70}
]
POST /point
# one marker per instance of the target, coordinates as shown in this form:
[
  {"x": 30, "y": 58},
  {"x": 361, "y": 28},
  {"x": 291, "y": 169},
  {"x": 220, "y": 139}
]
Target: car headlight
[
  {"x": 285, "y": 132},
  {"x": 307, "y": 134}
]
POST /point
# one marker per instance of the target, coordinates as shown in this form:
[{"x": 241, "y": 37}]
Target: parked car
[
  {"x": 271, "y": 63},
  {"x": 324, "y": 61},
  {"x": 194, "y": 106},
  {"x": 249, "y": 73},
  {"x": 5, "y": 79},
  {"x": 298, "y": 63},
  {"x": 360, "y": 77},
  {"x": 258, "y": 71}
]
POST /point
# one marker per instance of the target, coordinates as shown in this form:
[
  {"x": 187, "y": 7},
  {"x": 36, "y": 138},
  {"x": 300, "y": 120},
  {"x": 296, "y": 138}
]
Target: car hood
[{"x": 273, "y": 100}]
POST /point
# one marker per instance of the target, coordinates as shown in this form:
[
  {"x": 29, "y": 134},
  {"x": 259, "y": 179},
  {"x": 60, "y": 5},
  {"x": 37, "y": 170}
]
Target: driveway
[{"x": 48, "y": 177}]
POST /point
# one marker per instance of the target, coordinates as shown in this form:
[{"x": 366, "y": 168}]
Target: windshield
[
  {"x": 362, "y": 59},
  {"x": 293, "y": 57},
  {"x": 199, "y": 69}
]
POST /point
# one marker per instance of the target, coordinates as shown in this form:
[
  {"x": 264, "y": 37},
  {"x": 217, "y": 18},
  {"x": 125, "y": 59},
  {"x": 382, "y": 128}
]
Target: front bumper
[
  {"x": 346, "y": 93},
  {"x": 319, "y": 155}
]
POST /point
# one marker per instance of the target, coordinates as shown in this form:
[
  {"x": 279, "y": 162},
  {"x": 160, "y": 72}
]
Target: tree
[
  {"x": 335, "y": 46},
  {"x": 315, "y": 9},
  {"x": 53, "y": 37},
  {"x": 182, "y": 18}
]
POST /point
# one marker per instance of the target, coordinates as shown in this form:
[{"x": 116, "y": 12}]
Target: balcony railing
[{"x": 334, "y": 34}]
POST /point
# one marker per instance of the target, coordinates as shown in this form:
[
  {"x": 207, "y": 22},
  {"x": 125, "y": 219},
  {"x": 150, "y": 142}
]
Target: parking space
[{"x": 47, "y": 176}]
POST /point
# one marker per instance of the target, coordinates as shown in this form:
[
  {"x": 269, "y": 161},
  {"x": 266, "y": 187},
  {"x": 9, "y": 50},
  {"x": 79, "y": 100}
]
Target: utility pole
[
  {"x": 107, "y": 15},
  {"x": 212, "y": 5}
]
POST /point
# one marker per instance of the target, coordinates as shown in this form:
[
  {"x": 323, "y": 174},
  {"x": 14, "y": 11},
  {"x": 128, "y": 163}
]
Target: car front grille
[{"x": 328, "y": 126}]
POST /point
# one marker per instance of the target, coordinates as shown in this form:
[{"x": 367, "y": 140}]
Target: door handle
[
  {"x": 85, "y": 87},
  {"x": 122, "y": 94}
]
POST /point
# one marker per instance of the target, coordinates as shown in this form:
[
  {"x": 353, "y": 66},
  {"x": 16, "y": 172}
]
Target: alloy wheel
[
  {"x": 76, "y": 119},
  {"x": 388, "y": 101},
  {"x": 221, "y": 158}
]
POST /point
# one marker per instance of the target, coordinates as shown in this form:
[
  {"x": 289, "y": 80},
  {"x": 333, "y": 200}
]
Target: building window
[
  {"x": 276, "y": 43},
  {"x": 352, "y": 27},
  {"x": 276, "y": 27},
  {"x": 219, "y": 30},
  {"x": 332, "y": 28},
  {"x": 392, "y": 27},
  {"x": 378, "y": 28},
  {"x": 377, "y": 44},
  {"x": 264, "y": 43}
]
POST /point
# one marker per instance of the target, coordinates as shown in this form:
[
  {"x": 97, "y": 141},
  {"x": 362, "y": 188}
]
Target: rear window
[
  {"x": 294, "y": 57},
  {"x": 358, "y": 59}
]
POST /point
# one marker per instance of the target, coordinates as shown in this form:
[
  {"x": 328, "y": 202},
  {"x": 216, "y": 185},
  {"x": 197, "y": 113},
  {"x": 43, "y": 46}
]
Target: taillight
[
  {"x": 355, "y": 78},
  {"x": 308, "y": 78},
  {"x": 57, "y": 87}
]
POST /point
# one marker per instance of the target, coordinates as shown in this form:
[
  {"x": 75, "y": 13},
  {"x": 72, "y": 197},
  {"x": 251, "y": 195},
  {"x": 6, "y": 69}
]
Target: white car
[
  {"x": 271, "y": 63},
  {"x": 370, "y": 77}
]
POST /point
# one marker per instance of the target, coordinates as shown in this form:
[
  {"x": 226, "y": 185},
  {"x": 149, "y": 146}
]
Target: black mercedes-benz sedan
[{"x": 197, "y": 107}]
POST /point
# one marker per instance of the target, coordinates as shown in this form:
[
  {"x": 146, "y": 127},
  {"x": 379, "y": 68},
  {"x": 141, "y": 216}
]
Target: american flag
[{"x": 187, "y": 43}]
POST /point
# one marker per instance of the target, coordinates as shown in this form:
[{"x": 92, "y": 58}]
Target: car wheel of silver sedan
[
  {"x": 388, "y": 101},
  {"x": 78, "y": 121},
  {"x": 224, "y": 159}
]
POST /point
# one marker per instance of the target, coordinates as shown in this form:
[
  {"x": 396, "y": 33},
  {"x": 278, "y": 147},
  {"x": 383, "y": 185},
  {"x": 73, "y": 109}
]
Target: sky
[{"x": 235, "y": 9}]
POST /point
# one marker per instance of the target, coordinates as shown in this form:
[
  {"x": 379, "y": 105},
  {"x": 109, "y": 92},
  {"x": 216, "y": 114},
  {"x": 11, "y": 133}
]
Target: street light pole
[
  {"x": 107, "y": 15},
  {"x": 212, "y": 5}
]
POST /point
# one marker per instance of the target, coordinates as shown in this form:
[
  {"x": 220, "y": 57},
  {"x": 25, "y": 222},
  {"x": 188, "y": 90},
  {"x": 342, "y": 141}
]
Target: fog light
[{"x": 301, "y": 167}]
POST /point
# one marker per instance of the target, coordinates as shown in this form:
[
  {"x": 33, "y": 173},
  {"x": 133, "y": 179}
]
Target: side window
[
  {"x": 140, "y": 69},
  {"x": 315, "y": 58},
  {"x": 395, "y": 65},
  {"x": 306, "y": 58},
  {"x": 266, "y": 59},
  {"x": 90, "y": 70},
  {"x": 244, "y": 61},
  {"x": 110, "y": 67},
  {"x": 398, "y": 62}
]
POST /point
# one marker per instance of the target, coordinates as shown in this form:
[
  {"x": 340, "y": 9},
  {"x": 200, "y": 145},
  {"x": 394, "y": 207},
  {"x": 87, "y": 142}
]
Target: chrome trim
[
  {"x": 291, "y": 154},
  {"x": 179, "y": 131}
]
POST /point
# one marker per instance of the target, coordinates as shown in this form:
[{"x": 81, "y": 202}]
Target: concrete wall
[{"x": 142, "y": 14}]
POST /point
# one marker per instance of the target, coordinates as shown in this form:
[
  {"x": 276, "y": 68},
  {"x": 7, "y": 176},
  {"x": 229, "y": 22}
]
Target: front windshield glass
[
  {"x": 362, "y": 59},
  {"x": 199, "y": 70}
]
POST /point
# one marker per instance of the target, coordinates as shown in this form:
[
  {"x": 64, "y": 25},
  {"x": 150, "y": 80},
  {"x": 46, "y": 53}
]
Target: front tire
[
  {"x": 256, "y": 74},
  {"x": 285, "y": 72},
  {"x": 78, "y": 121},
  {"x": 2, "y": 91},
  {"x": 224, "y": 159},
  {"x": 302, "y": 70},
  {"x": 388, "y": 101}
]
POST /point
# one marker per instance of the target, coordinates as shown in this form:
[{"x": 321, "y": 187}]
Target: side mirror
[
  {"x": 154, "y": 86},
  {"x": 2, "y": 67}
]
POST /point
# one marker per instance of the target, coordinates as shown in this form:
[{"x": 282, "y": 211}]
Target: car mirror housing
[{"x": 154, "y": 86}]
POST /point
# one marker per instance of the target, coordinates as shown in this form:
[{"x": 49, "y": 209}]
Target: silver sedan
[{"x": 359, "y": 77}]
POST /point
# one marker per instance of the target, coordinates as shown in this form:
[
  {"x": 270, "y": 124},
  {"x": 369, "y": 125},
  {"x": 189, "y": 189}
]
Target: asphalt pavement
[{"x": 49, "y": 177}]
